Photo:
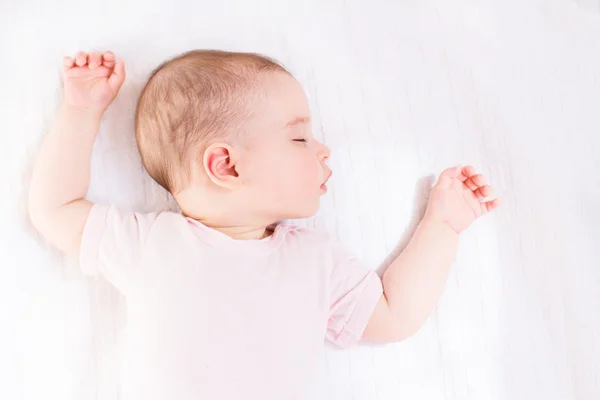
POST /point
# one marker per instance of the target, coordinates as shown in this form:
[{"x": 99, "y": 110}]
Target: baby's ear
[{"x": 219, "y": 165}]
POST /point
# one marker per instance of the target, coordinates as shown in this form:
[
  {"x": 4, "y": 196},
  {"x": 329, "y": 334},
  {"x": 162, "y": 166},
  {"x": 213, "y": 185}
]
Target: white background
[{"x": 399, "y": 90}]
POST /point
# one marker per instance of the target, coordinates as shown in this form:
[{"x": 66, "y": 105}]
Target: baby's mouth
[{"x": 324, "y": 184}]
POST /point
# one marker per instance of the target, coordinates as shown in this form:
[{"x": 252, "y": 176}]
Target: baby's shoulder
[
  {"x": 315, "y": 244},
  {"x": 165, "y": 217},
  {"x": 168, "y": 223}
]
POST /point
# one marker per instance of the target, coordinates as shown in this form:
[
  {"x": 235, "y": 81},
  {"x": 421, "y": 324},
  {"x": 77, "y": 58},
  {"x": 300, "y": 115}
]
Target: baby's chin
[{"x": 307, "y": 210}]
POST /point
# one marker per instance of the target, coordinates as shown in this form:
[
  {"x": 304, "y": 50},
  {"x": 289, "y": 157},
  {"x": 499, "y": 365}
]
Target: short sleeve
[
  {"x": 354, "y": 292},
  {"x": 112, "y": 243}
]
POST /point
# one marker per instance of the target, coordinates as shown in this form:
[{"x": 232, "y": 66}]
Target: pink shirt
[{"x": 210, "y": 317}]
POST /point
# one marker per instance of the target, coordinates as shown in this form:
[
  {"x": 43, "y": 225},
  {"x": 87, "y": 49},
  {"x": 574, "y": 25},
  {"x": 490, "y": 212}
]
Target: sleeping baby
[{"x": 224, "y": 301}]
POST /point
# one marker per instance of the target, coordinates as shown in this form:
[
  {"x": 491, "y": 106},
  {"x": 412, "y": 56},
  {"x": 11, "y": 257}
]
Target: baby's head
[{"x": 229, "y": 135}]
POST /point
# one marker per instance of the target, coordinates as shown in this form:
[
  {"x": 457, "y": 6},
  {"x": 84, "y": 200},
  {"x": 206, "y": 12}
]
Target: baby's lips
[{"x": 324, "y": 184}]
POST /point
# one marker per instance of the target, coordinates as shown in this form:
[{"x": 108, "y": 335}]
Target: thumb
[
  {"x": 117, "y": 77},
  {"x": 453, "y": 172}
]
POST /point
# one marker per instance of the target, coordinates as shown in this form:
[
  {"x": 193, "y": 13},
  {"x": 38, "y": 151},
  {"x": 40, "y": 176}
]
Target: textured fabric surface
[{"x": 399, "y": 90}]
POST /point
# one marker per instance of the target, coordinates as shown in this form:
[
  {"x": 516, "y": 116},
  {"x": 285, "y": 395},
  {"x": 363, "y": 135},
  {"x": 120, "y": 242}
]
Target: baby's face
[{"x": 284, "y": 166}]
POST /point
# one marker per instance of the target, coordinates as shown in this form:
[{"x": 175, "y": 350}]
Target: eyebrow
[{"x": 297, "y": 121}]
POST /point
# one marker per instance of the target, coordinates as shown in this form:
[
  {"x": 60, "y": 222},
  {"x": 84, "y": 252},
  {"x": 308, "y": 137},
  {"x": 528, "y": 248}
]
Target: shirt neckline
[{"x": 218, "y": 239}]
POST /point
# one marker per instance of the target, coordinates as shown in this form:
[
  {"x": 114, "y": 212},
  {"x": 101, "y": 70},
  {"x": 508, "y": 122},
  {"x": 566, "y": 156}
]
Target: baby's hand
[
  {"x": 92, "y": 81},
  {"x": 457, "y": 198}
]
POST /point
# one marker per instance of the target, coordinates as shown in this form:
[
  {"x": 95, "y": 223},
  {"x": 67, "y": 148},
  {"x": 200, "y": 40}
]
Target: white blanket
[{"x": 399, "y": 90}]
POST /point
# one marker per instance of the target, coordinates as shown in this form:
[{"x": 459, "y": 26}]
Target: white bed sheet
[{"x": 399, "y": 90}]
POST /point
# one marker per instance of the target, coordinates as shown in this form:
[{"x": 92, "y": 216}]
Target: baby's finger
[
  {"x": 451, "y": 172},
  {"x": 95, "y": 59},
  {"x": 67, "y": 63},
  {"x": 108, "y": 59},
  {"x": 464, "y": 173},
  {"x": 81, "y": 59},
  {"x": 468, "y": 171},
  {"x": 491, "y": 205},
  {"x": 118, "y": 76},
  {"x": 483, "y": 192},
  {"x": 470, "y": 184},
  {"x": 478, "y": 180}
]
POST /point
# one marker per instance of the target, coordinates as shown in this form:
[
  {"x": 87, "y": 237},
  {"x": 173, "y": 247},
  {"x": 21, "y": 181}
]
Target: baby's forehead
[{"x": 284, "y": 101}]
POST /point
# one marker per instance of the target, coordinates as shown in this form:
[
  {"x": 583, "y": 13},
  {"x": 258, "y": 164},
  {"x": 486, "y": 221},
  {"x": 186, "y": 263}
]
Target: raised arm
[
  {"x": 415, "y": 281},
  {"x": 61, "y": 173}
]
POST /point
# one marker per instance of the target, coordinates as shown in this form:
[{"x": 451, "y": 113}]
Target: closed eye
[{"x": 300, "y": 140}]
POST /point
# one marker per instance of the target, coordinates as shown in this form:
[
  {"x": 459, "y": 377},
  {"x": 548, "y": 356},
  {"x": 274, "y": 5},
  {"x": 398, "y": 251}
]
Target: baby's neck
[{"x": 226, "y": 215}]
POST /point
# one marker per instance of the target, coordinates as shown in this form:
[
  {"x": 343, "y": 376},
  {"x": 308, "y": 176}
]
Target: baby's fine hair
[{"x": 190, "y": 101}]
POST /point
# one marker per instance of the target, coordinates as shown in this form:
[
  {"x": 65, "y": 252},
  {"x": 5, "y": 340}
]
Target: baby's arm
[
  {"x": 414, "y": 282},
  {"x": 61, "y": 174}
]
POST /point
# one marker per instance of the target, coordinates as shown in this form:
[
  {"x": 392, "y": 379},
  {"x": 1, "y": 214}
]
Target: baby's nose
[{"x": 324, "y": 153}]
